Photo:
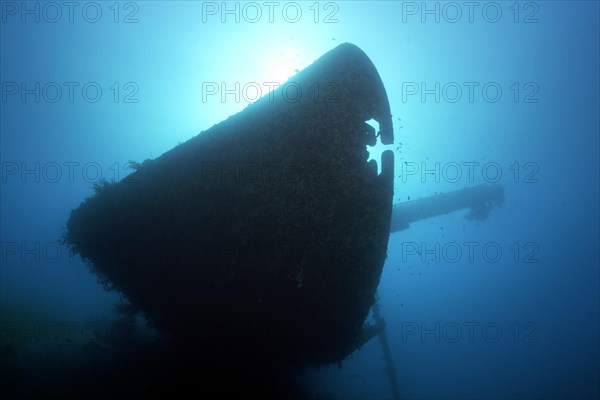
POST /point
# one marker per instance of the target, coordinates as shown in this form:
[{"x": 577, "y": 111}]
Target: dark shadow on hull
[{"x": 260, "y": 242}]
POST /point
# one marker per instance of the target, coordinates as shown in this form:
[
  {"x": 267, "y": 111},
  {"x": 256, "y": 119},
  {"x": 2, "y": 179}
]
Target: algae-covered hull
[{"x": 262, "y": 238}]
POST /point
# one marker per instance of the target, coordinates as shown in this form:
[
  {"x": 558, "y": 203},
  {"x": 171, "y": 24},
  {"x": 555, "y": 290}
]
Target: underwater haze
[{"x": 495, "y": 93}]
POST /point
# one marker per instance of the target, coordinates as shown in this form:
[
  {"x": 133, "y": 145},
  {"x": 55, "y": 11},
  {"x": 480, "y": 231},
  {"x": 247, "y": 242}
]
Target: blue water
[{"x": 484, "y": 92}]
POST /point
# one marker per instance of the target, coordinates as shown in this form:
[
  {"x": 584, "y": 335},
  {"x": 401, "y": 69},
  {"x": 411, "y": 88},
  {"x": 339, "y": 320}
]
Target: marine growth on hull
[{"x": 262, "y": 239}]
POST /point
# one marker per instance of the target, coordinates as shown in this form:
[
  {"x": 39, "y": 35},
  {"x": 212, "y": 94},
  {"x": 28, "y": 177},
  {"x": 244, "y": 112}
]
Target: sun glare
[{"x": 282, "y": 65}]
